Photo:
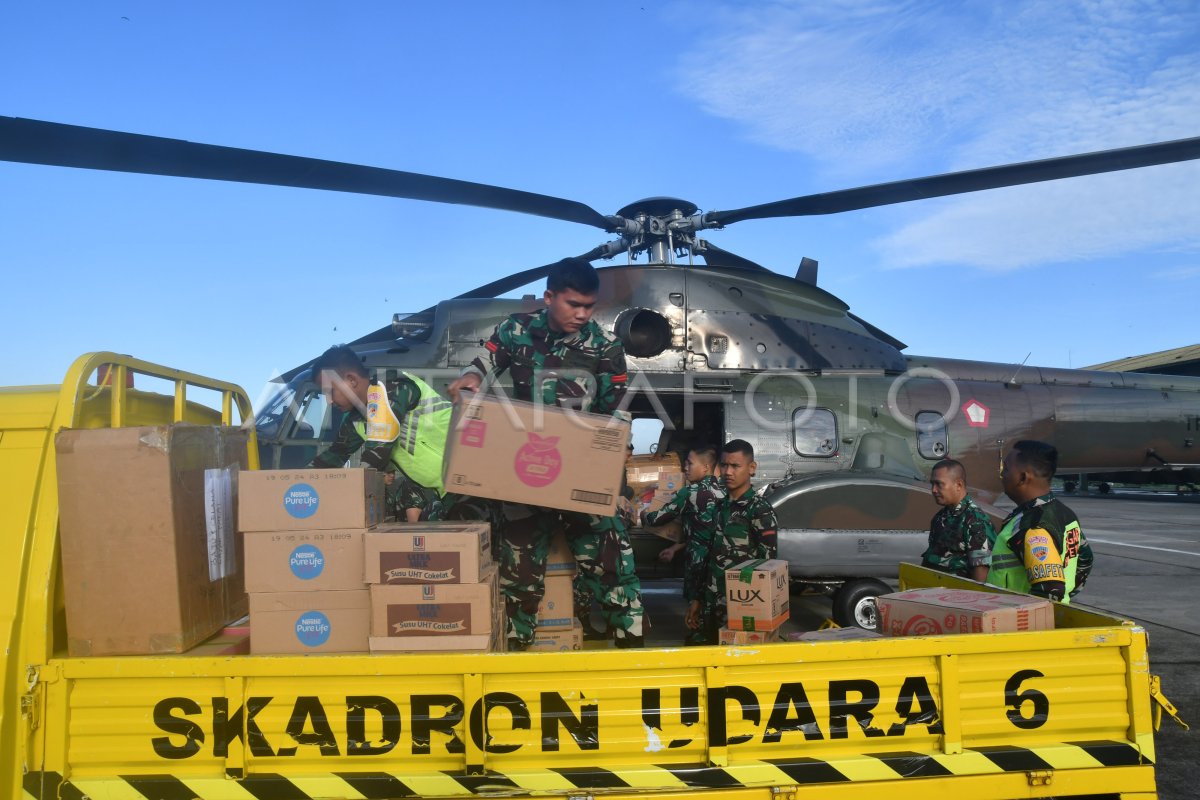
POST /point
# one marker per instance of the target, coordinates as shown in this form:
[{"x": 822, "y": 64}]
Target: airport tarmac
[{"x": 1147, "y": 569}]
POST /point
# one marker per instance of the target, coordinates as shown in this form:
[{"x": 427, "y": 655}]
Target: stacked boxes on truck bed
[
  {"x": 303, "y": 532},
  {"x": 433, "y": 587}
]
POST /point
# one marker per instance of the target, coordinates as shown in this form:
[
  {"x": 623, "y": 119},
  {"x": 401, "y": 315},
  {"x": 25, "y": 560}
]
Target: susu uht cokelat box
[
  {"x": 429, "y": 552},
  {"x": 452, "y": 609},
  {"x": 309, "y": 499},
  {"x": 533, "y": 453}
]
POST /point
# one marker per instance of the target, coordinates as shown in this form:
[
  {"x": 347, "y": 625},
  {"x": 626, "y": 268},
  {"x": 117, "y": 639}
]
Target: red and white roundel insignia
[{"x": 977, "y": 413}]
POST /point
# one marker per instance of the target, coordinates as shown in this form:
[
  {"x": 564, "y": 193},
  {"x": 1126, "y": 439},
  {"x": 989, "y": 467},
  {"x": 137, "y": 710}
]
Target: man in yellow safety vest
[
  {"x": 1040, "y": 549},
  {"x": 402, "y": 422}
]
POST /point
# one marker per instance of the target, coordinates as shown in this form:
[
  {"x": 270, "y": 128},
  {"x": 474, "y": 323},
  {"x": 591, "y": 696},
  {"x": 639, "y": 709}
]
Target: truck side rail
[
  {"x": 31, "y": 619},
  {"x": 1032, "y": 714}
]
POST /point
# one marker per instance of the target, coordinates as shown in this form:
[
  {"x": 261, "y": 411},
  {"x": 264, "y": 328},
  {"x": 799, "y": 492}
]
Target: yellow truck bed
[{"x": 1036, "y": 714}]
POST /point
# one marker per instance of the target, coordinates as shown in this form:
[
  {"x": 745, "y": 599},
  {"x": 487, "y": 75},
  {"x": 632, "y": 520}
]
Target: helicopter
[{"x": 845, "y": 426}]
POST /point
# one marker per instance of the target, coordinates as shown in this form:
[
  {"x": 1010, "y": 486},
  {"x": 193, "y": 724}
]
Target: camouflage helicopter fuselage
[{"x": 845, "y": 427}]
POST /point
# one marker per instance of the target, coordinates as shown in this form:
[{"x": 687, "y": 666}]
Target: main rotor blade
[
  {"x": 974, "y": 180},
  {"x": 496, "y": 287},
  {"x": 716, "y": 257},
  {"x": 36, "y": 142},
  {"x": 519, "y": 279}
]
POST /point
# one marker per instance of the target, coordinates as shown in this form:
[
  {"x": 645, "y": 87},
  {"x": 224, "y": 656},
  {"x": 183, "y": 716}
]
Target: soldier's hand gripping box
[
  {"x": 428, "y": 552},
  {"x": 536, "y": 454},
  {"x": 309, "y": 499},
  {"x": 936, "y": 611},
  {"x": 757, "y": 596}
]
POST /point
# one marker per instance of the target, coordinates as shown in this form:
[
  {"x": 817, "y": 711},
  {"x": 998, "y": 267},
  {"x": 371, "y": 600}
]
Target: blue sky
[{"x": 724, "y": 104}]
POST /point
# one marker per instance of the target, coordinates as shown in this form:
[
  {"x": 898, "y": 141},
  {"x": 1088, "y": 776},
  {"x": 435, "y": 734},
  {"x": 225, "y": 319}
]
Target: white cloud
[
  {"x": 1178, "y": 274},
  {"x": 895, "y": 88}
]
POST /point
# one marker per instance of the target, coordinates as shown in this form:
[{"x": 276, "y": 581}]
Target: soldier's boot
[
  {"x": 590, "y": 632},
  {"x": 515, "y": 645},
  {"x": 629, "y": 642}
]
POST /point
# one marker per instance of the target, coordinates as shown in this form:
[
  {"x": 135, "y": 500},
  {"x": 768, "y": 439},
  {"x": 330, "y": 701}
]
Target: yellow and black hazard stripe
[{"x": 398, "y": 784}]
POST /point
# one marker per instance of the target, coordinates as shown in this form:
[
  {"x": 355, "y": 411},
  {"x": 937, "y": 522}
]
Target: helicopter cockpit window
[
  {"x": 931, "y": 435},
  {"x": 311, "y": 421},
  {"x": 647, "y": 433},
  {"x": 814, "y": 432}
]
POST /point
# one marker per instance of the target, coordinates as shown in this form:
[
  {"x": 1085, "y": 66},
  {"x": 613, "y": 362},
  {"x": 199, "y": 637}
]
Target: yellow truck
[{"x": 1053, "y": 713}]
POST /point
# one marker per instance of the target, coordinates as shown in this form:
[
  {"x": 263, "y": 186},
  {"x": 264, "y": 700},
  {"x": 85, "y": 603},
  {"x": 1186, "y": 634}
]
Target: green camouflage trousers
[
  {"x": 405, "y": 493},
  {"x": 603, "y": 556}
]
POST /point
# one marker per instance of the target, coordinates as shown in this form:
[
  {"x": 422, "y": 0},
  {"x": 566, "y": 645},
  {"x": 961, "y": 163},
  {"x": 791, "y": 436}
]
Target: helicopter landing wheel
[{"x": 854, "y": 603}]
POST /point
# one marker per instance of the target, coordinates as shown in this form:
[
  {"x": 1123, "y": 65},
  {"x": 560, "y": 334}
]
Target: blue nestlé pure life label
[
  {"x": 301, "y": 500},
  {"x": 307, "y": 561},
  {"x": 313, "y": 628}
]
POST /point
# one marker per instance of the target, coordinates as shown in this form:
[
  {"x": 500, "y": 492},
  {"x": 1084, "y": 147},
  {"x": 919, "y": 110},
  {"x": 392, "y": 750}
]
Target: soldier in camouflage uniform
[
  {"x": 346, "y": 383},
  {"x": 746, "y": 529},
  {"x": 960, "y": 535},
  {"x": 561, "y": 357},
  {"x": 697, "y": 506}
]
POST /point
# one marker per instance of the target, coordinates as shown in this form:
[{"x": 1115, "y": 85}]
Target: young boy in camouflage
[
  {"x": 697, "y": 505},
  {"x": 746, "y": 529},
  {"x": 564, "y": 357}
]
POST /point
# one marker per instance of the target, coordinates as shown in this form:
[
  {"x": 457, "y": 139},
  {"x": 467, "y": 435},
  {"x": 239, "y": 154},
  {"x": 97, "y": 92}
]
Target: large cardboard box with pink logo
[
  {"x": 309, "y": 499},
  {"x": 428, "y": 552},
  {"x": 150, "y": 556},
  {"x": 937, "y": 611},
  {"x": 537, "y": 454}
]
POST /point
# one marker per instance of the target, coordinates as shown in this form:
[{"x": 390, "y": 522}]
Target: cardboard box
[
  {"x": 727, "y": 636},
  {"x": 548, "y": 640},
  {"x": 834, "y": 635},
  {"x": 557, "y": 609},
  {"x": 936, "y": 611},
  {"x": 309, "y": 499},
  {"x": 531, "y": 453},
  {"x": 658, "y": 500},
  {"x": 233, "y": 640},
  {"x": 150, "y": 558},
  {"x": 310, "y": 622},
  {"x": 560, "y": 561},
  {"x": 488, "y": 643},
  {"x": 756, "y": 593},
  {"x": 669, "y": 483},
  {"x": 644, "y": 470},
  {"x": 428, "y": 552},
  {"x": 432, "y": 610},
  {"x": 304, "y": 561}
]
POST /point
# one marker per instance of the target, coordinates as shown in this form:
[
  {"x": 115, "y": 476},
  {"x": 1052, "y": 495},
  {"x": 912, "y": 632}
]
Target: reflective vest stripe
[
  {"x": 419, "y": 449},
  {"x": 1008, "y": 568}
]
